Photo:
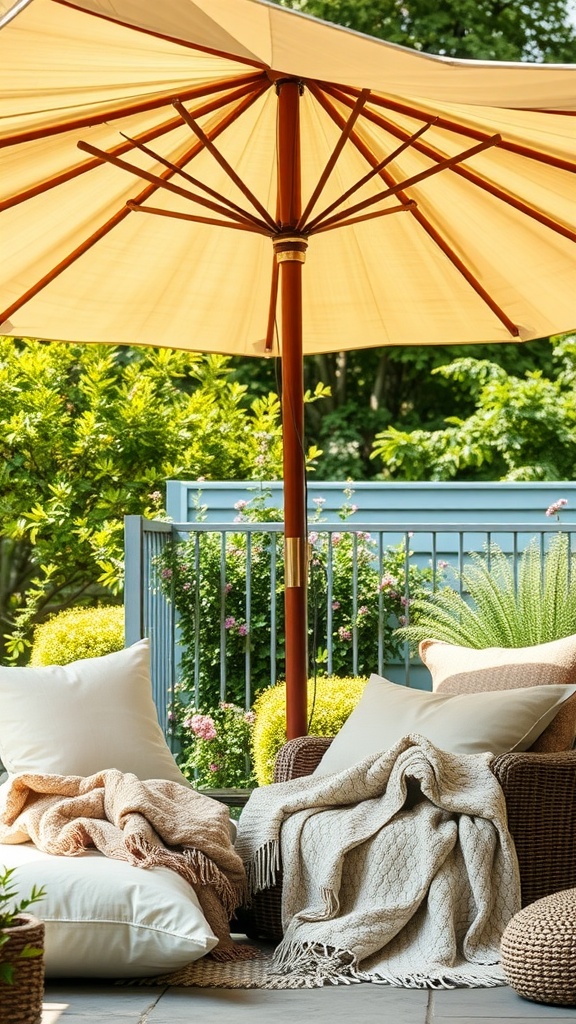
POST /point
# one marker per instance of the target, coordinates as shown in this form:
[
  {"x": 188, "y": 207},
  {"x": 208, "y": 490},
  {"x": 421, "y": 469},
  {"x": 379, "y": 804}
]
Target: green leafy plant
[
  {"x": 215, "y": 747},
  {"x": 10, "y": 910},
  {"x": 330, "y": 700},
  {"x": 78, "y": 633},
  {"x": 498, "y": 604}
]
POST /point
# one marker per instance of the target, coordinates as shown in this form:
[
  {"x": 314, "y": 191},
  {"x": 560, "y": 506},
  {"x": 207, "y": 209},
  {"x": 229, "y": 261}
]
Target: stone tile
[
  {"x": 342, "y": 1004},
  {"x": 94, "y": 1002},
  {"x": 477, "y": 1004}
]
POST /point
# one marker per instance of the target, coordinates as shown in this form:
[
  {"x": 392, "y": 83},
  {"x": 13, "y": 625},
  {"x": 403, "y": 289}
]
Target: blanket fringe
[
  {"x": 263, "y": 869},
  {"x": 312, "y": 965}
]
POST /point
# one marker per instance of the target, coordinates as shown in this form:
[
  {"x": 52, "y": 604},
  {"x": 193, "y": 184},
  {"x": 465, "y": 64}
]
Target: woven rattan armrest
[
  {"x": 540, "y": 793},
  {"x": 300, "y": 757}
]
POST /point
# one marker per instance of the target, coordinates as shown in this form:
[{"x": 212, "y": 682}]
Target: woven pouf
[{"x": 539, "y": 950}]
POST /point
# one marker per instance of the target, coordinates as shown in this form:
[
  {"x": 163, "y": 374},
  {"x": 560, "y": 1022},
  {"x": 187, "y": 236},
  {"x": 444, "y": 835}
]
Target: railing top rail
[{"x": 154, "y": 525}]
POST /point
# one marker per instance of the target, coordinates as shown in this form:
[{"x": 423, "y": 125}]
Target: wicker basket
[
  {"x": 539, "y": 950},
  {"x": 21, "y": 1002}
]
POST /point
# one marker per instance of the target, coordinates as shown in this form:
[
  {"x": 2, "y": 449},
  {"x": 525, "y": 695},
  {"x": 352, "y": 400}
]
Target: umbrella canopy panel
[{"x": 483, "y": 251}]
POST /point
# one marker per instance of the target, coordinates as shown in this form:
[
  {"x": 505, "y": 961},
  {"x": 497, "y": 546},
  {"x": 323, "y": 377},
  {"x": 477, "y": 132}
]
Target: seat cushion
[
  {"x": 455, "y": 669},
  {"x": 106, "y": 918},
  {"x": 462, "y": 724}
]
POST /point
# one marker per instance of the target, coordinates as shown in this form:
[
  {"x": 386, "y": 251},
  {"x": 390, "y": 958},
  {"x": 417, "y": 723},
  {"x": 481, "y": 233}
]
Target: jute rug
[{"x": 206, "y": 973}]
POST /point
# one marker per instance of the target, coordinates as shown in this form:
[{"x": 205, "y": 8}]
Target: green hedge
[
  {"x": 335, "y": 698},
  {"x": 78, "y": 633}
]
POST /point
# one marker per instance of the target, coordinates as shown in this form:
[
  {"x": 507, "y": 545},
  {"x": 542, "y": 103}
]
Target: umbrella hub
[{"x": 290, "y": 247}]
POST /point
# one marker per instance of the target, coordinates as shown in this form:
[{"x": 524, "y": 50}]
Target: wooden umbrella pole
[{"x": 290, "y": 248}]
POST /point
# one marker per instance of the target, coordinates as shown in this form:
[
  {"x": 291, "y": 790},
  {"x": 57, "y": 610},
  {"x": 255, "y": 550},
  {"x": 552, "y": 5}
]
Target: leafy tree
[
  {"x": 90, "y": 433},
  {"x": 478, "y": 29},
  {"x": 522, "y": 428}
]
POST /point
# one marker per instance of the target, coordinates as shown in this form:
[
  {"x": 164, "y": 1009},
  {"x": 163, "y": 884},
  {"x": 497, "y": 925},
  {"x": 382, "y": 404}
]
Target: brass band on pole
[
  {"x": 293, "y": 562},
  {"x": 290, "y": 248}
]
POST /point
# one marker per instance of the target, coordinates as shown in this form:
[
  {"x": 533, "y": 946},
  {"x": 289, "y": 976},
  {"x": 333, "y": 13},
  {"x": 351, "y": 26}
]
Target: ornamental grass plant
[{"x": 497, "y": 603}]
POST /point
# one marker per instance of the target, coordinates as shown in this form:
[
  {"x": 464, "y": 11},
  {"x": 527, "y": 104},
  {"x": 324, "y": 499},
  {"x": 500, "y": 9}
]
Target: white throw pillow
[
  {"x": 470, "y": 723},
  {"x": 108, "y": 919},
  {"x": 80, "y": 718}
]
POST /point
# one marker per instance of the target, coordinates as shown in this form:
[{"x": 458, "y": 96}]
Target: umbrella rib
[
  {"x": 270, "y": 326},
  {"x": 421, "y": 176},
  {"x": 473, "y": 281},
  {"x": 336, "y": 117},
  {"x": 232, "y": 174},
  {"x": 474, "y": 177},
  {"x": 112, "y": 113},
  {"x": 410, "y": 204},
  {"x": 160, "y": 182},
  {"x": 245, "y": 214},
  {"x": 138, "y": 208},
  {"x": 345, "y": 134},
  {"x": 124, "y": 147},
  {"x": 451, "y": 125}
]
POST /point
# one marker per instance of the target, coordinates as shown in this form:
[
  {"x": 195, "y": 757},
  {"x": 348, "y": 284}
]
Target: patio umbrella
[{"x": 168, "y": 167}]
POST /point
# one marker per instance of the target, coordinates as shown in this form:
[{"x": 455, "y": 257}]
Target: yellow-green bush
[
  {"x": 78, "y": 633},
  {"x": 335, "y": 699}
]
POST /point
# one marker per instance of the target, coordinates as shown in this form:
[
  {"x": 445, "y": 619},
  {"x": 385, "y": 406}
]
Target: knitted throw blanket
[
  {"x": 148, "y": 824},
  {"x": 400, "y": 870}
]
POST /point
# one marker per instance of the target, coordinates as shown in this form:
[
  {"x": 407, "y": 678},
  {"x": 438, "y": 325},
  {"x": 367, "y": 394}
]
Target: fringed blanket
[
  {"x": 148, "y": 824},
  {"x": 400, "y": 870}
]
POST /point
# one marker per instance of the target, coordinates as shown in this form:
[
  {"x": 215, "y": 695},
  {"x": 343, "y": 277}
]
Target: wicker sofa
[{"x": 540, "y": 792}]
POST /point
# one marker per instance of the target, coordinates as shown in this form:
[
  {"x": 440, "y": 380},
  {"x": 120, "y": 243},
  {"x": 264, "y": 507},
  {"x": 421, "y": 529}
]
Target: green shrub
[
  {"x": 78, "y": 633},
  {"x": 500, "y": 606},
  {"x": 335, "y": 699}
]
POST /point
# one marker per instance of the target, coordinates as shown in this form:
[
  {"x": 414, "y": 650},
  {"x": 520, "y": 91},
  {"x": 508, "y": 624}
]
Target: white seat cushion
[{"x": 105, "y": 918}]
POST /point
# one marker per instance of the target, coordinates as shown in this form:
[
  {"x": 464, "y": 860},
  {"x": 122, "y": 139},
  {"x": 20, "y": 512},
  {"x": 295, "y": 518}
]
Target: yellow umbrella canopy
[{"x": 167, "y": 168}]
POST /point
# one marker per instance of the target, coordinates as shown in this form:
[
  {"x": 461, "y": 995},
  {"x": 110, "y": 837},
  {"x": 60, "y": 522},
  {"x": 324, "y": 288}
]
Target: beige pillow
[
  {"x": 462, "y": 724},
  {"x": 457, "y": 669},
  {"x": 80, "y": 718}
]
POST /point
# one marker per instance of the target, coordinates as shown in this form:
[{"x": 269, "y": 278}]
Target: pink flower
[
  {"x": 319, "y": 501},
  {"x": 186, "y": 586},
  {"x": 229, "y": 622},
  {"x": 166, "y": 574},
  {"x": 240, "y": 505},
  {"x": 335, "y": 606},
  {"x": 336, "y": 538},
  {"x": 387, "y": 581},
  {"x": 555, "y": 507},
  {"x": 214, "y": 767},
  {"x": 243, "y": 629},
  {"x": 363, "y": 610},
  {"x": 227, "y": 588},
  {"x": 344, "y": 634},
  {"x": 226, "y": 706},
  {"x": 250, "y": 717},
  {"x": 202, "y": 726},
  {"x": 312, "y": 537},
  {"x": 442, "y": 564}
]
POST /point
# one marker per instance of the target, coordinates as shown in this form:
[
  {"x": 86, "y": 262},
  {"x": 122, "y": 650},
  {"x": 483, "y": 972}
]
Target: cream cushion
[
  {"x": 456, "y": 669},
  {"x": 462, "y": 724},
  {"x": 80, "y": 718},
  {"x": 106, "y": 918}
]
